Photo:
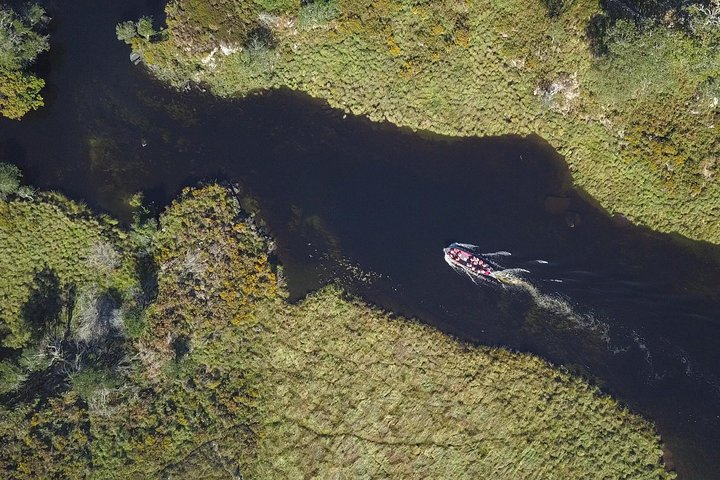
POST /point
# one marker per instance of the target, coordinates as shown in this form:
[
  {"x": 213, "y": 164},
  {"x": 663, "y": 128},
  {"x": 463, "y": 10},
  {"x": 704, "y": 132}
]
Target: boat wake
[
  {"x": 557, "y": 306},
  {"x": 482, "y": 269},
  {"x": 510, "y": 276}
]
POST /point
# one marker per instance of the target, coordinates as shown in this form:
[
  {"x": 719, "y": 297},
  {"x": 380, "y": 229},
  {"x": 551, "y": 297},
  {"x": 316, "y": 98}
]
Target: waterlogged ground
[{"x": 373, "y": 206}]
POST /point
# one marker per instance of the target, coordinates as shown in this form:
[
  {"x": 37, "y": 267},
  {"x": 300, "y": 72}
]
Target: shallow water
[{"x": 371, "y": 206}]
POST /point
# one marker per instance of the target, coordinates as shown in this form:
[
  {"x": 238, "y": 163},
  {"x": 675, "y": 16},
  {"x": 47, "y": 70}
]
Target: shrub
[
  {"x": 145, "y": 28},
  {"x": 20, "y": 44},
  {"x": 87, "y": 382},
  {"x": 10, "y": 177},
  {"x": 279, "y": 6},
  {"x": 126, "y": 31},
  {"x": 317, "y": 13},
  {"x": 11, "y": 376},
  {"x": 19, "y": 94}
]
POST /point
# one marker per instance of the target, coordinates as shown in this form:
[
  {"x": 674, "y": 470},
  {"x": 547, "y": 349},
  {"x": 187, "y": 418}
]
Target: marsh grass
[{"x": 351, "y": 391}]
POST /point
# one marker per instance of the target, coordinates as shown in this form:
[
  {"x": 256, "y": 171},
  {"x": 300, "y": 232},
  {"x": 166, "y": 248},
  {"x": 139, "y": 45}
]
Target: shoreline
[
  {"x": 220, "y": 319},
  {"x": 447, "y": 85}
]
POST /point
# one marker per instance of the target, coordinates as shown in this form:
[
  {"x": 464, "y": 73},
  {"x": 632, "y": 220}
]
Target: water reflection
[{"x": 372, "y": 206}]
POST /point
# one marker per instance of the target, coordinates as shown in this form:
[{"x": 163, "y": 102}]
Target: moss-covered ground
[
  {"x": 633, "y": 106},
  {"x": 221, "y": 377}
]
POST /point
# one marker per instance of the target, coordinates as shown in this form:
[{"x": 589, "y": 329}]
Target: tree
[
  {"x": 145, "y": 27},
  {"x": 126, "y": 31},
  {"x": 705, "y": 18},
  {"x": 20, "y": 44},
  {"x": 19, "y": 93},
  {"x": 9, "y": 180}
]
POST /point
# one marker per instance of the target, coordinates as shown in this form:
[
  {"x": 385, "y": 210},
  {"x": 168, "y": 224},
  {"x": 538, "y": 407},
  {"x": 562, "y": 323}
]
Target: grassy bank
[
  {"x": 353, "y": 392},
  {"x": 218, "y": 376},
  {"x": 632, "y": 105}
]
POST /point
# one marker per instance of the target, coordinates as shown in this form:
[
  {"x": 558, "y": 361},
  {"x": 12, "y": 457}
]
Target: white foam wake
[{"x": 557, "y": 305}]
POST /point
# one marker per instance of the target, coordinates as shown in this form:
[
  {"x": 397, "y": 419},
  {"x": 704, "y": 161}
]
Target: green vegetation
[
  {"x": 126, "y": 31},
  {"x": 10, "y": 178},
  {"x": 180, "y": 358},
  {"x": 361, "y": 394},
  {"x": 48, "y": 240},
  {"x": 631, "y": 102},
  {"x": 20, "y": 44},
  {"x": 133, "y": 33},
  {"x": 145, "y": 28}
]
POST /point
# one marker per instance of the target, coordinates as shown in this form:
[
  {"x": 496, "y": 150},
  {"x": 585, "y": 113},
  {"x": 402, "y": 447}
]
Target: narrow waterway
[{"x": 371, "y": 206}]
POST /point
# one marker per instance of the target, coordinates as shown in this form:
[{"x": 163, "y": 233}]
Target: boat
[{"x": 467, "y": 259}]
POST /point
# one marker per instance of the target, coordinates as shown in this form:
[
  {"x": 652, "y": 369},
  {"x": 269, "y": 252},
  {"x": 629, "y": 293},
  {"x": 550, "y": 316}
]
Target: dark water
[{"x": 371, "y": 206}]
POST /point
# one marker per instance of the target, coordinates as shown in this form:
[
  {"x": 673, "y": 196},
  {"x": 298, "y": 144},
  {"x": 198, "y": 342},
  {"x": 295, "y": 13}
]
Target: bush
[
  {"x": 317, "y": 13},
  {"x": 145, "y": 28},
  {"x": 126, "y": 31},
  {"x": 557, "y": 7},
  {"x": 87, "y": 382},
  {"x": 259, "y": 40},
  {"x": 19, "y": 94},
  {"x": 11, "y": 376},
  {"x": 20, "y": 44},
  {"x": 279, "y": 6},
  {"x": 10, "y": 177}
]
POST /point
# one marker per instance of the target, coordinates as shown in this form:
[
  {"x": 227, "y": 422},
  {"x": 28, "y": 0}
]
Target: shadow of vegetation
[
  {"x": 61, "y": 345},
  {"x": 641, "y": 12},
  {"x": 555, "y": 8},
  {"x": 42, "y": 312},
  {"x": 46, "y": 314},
  {"x": 146, "y": 269}
]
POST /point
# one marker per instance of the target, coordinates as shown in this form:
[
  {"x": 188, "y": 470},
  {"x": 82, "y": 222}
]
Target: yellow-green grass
[
  {"x": 639, "y": 132},
  {"x": 348, "y": 391}
]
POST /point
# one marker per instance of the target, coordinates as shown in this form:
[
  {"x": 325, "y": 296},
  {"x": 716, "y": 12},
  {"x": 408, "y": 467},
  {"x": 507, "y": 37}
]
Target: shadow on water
[{"x": 372, "y": 206}]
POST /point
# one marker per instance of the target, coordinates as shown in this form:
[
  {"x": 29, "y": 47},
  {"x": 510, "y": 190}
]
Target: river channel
[{"x": 371, "y": 206}]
